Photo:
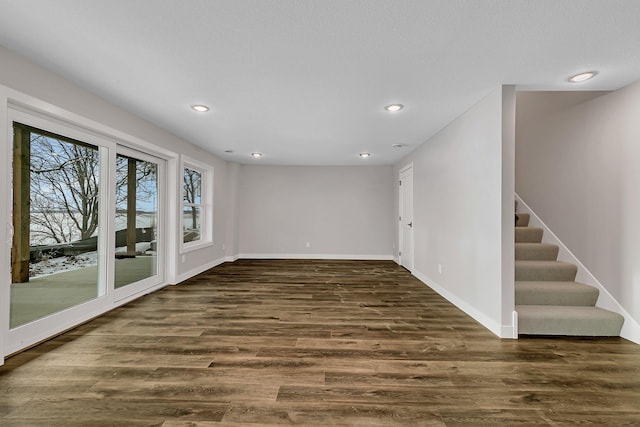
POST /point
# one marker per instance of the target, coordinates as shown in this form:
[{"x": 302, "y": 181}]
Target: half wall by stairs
[{"x": 548, "y": 299}]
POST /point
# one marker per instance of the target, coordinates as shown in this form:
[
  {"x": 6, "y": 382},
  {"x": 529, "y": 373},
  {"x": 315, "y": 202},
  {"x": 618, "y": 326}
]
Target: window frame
[{"x": 206, "y": 204}]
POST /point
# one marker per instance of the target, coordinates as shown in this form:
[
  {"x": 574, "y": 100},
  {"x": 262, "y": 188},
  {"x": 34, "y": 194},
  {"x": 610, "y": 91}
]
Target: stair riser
[
  {"x": 555, "y": 293},
  {"x": 560, "y": 273},
  {"x": 523, "y": 219},
  {"x": 528, "y": 235},
  {"x": 597, "y": 326},
  {"x": 579, "y": 328},
  {"x": 566, "y": 300},
  {"x": 536, "y": 251}
]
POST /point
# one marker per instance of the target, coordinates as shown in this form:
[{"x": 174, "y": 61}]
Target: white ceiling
[{"x": 305, "y": 81}]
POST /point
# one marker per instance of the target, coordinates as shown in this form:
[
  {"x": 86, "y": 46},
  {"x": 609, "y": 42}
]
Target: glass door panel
[
  {"x": 55, "y": 251},
  {"x": 137, "y": 219}
]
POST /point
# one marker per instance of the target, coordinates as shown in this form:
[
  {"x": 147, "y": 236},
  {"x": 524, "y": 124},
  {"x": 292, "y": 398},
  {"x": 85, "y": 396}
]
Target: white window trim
[{"x": 206, "y": 236}]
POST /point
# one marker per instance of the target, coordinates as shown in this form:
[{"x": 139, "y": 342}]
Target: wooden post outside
[
  {"x": 131, "y": 207},
  {"x": 21, "y": 205}
]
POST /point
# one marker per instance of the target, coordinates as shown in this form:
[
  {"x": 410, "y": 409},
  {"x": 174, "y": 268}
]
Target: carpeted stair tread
[
  {"x": 536, "y": 251},
  {"x": 554, "y": 271},
  {"x": 568, "y": 320},
  {"x": 523, "y": 219},
  {"x": 555, "y": 293},
  {"x": 528, "y": 234}
]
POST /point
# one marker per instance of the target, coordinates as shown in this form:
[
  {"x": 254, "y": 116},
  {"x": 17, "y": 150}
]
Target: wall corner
[{"x": 508, "y": 119}]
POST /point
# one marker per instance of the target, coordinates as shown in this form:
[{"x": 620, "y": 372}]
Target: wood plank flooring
[{"x": 313, "y": 343}]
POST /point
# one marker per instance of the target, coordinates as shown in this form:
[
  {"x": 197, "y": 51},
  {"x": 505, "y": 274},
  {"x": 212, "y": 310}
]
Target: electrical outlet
[
  {"x": 440, "y": 268},
  {"x": 308, "y": 244},
  {"x": 184, "y": 258},
  {"x": 223, "y": 246}
]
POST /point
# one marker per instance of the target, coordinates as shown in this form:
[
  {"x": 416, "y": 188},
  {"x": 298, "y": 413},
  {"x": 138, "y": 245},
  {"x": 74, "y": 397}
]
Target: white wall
[
  {"x": 231, "y": 237},
  {"x": 341, "y": 211},
  {"x": 577, "y": 167},
  {"x": 508, "y": 315},
  {"x": 460, "y": 209}
]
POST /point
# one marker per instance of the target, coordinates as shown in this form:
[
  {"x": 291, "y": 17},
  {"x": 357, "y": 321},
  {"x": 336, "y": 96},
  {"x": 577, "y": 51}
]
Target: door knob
[{"x": 410, "y": 225}]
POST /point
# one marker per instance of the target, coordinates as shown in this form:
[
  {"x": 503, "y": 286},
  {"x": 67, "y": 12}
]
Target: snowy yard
[{"x": 74, "y": 262}]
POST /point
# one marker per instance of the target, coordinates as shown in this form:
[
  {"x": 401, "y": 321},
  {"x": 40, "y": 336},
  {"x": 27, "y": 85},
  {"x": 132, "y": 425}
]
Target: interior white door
[{"x": 406, "y": 218}]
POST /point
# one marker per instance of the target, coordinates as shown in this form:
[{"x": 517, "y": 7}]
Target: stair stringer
[{"x": 630, "y": 328}]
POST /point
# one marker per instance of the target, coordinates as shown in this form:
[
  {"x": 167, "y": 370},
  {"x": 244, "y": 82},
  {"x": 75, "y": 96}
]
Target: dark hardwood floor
[{"x": 313, "y": 343}]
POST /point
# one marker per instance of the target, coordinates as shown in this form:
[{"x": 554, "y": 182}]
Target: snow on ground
[
  {"x": 141, "y": 247},
  {"x": 64, "y": 263},
  {"x": 75, "y": 262}
]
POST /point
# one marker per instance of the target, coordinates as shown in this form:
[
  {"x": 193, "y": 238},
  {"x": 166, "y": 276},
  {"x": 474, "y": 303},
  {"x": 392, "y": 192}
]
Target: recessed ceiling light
[
  {"x": 365, "y": 155},
  {"x": 398, "y": 145},
  {"x": 394, "y": 107},
  {"x": 228, "y": 151},
  {"x": 582, "y": 77},
  {"x": 256, "y": 154},
  {"x": 200, "y": 108}
]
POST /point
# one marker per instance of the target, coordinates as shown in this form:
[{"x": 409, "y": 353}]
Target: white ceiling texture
[{"x": 305, "y": 81}]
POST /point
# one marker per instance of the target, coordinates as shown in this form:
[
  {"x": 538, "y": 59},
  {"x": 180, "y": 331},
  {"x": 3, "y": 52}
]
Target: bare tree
[
  {"x": 146, "y": 182},
  {"x": 192, "y": 184},
  {"x": 64, "y": 188}
]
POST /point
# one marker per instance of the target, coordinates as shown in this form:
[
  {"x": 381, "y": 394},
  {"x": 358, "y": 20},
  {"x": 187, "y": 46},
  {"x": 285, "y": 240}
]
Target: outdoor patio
[{"x": 49, "y": 294}]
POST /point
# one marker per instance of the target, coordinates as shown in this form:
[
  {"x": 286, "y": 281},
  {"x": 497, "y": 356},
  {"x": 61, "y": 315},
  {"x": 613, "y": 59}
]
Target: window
[
  {"x": 197, "y": 212},
  {"x": 192, "y": 205}
]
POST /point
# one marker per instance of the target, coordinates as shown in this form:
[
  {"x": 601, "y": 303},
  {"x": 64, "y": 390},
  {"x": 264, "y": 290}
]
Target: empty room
[{"x": 319, "y": 213}]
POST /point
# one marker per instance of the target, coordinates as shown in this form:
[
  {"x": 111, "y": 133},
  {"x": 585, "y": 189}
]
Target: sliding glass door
[
  {"x": 87, "y": 222},
  {"x": 138, "y": 218}
]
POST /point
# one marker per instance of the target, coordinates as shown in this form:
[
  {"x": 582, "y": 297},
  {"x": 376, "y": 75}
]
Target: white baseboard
[
  {"x": 317, "y": 256},
  {"x": 511, "y": 331},
  {"x": 630, "y": 328},
  {"x": 502, "y": 331},
  {"x": 232, "y": 258},
  {"x": 187, "y": 274}
]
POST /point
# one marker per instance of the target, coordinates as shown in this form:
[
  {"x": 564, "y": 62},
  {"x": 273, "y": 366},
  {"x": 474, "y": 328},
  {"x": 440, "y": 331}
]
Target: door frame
[{"x": 404, "y": 172}]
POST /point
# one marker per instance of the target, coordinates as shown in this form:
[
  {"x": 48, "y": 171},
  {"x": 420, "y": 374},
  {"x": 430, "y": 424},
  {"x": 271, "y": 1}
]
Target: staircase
[{"x": 548, "y": 299}]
